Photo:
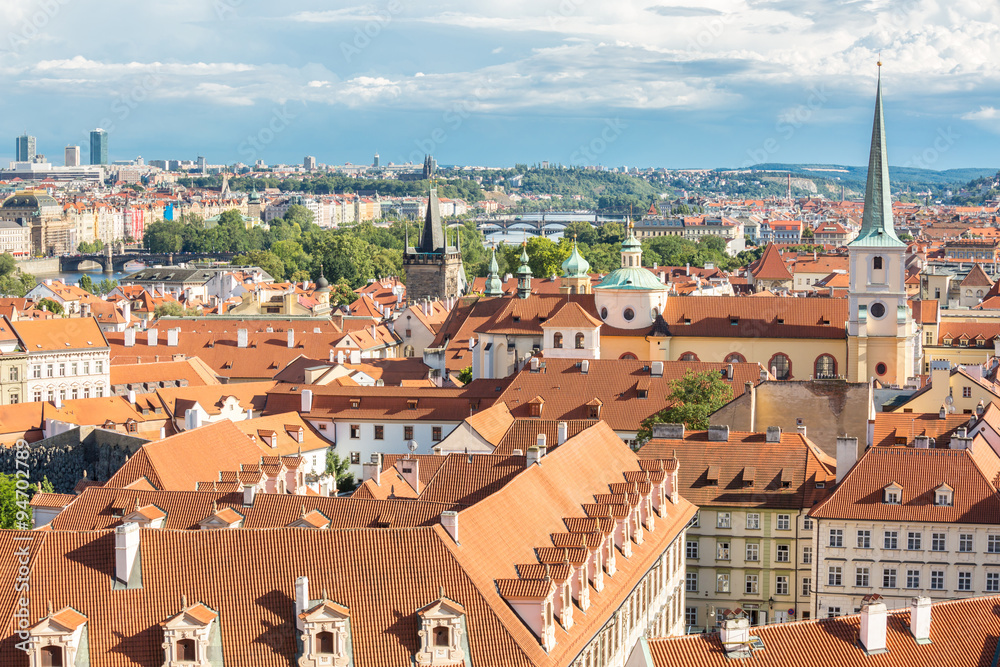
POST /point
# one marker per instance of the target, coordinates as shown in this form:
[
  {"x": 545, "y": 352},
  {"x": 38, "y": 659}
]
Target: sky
[{"x": 696, "y": 84}]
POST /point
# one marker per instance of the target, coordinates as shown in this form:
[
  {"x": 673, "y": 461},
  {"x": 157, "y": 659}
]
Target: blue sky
[{"x": 653, "y": 83}]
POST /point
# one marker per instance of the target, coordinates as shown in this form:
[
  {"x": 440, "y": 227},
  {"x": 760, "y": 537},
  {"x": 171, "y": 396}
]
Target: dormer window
[
  {"x": 557, "y": 340},
  {"x": 442, "y": 628},
  {"x": 947, "y": 341},
  {"x": 56, "y": 639},
  {"x": 893, "y": 493},
  {"x": 325, "y": 634},
  {"x": 944, "y": 496},
  {"x": 356, "y": 404},
  {"x": 186, "y": 636}
]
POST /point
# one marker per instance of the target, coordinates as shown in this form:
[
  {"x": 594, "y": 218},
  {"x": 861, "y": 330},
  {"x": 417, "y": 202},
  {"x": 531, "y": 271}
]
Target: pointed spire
[
  {"x": 524, "y": 274},
  {"x": 877, "y": 226},
  {"x": 494, "y": 287},
  {"x": 432, "y": 239}
]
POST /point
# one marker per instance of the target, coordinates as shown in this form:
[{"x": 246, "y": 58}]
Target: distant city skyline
[{"x": 726, "y": 85}]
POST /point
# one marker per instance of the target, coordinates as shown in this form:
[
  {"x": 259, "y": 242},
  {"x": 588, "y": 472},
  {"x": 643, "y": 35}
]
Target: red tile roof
[{"x": 770, "y": 266}]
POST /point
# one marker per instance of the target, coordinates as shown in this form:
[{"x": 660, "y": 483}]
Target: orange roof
[
  {"x": 770, "y": 266},
  {"x": 573, "y": 316},
  {"x": 192, "y": 370},
  {"x": 760, "y": 317},
  {"x": 284, "y": 427},
  {"x": 900, "y": 428},
  {"x": 75, "y": 333},
  {"x": 178, "y": 400}
]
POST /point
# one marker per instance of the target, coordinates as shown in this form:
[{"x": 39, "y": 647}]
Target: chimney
[
  {"x": 130, "y": 337},
  {"x": 563, "y": 432},
  {"x": 534, "y": 364},
  {"x": 729, "y": 372},
  {"x": 656, "y": 369},
  {"x": 920, "y": 619},
  {"x": 372, "y": 470},
  {"x": 249, "y": 491},
  {"x": 242, "y": 338},
  {"x": 192, "y": 419},
  {"x": 943, "y": 412},
  {"x": 533, "y": 457},
  {"x": 980, "y": 409},
  {"x": 409, "y": 469},
  {"x": 249, "y": 413},
  {"x": 340, "y": 356},
  {"x": 172, "y": 335},
  {"x": 355, "y": 356},
  {"x": 960, "y": 441},
  {"x": 542, "y": 447},
  {"x": 763, "y": 374},
  {"x": 301, "y": 599},
  {"x": 57, "y": 400},
  {"x": 847, "y": 455},
  {"x": 800, "y": 427},
  {"x": 585, "y": 366},
  {"x": 668, "y": 431},
  {"x": 873, "y": 624},
  {"x": 687, "y": 269},
  {"x": 131, "y": 396},
  {"x": 291, "y": 337},
  {"x": 449, "y": 521},
  {"x": 922, "y": 442},
  {"x": 773, "y": 434},
  {"x": 735, "y": 634},
  {"x": 126, "y": 550},
  {"x": 472, "y": 343},
  {"x": 718, "y": 433},
  {"x": 151, "y": 337},
  {"x": 307, "y": 401}
]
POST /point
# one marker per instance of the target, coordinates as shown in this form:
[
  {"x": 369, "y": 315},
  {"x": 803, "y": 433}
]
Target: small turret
[{"x": 524, "y": 274}]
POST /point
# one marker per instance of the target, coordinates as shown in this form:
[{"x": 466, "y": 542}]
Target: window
[
  {"x": 835, "y": 575},
  {"x": 807, "y": 555},
  {"x": 942, "y": 496},
  {"x": 825, "y": 366},
  {"x": 722, "y": 551},
  {"x": 993, "y": 544},
  {"x": 966, "y": 392},
  {"x": 781, "y": 584},
  {"x": 864, "y": 539},
  {"x": 355, "y": 431},
  {"x": 753, "y": 521},
  {"x": 441, "y": 636},
  {"x": 379, "y": 432},
  {"x": 52, "y": 656},
  {"x": 36, "y": 371},
  {"x": 735, "y": 358},
  {"x": 992, "y": 582},
  {"x": 752, "y": 584},
  {"x": 807, "y": 524},
  {"x": 604, "y": 313},
  {"x": 753, "y": 552},
  {"x": 557, "y": 340},
  {"x": 938, "y": 541},
  {"x": 48, "y": 370},
  {"x": 833, "y": 612},
  {"x": 695, "y": 521},
  {"x": 691, "y": 582},
  {"x": 356, "y": 458},
  {"x": 965, "y": 581},
  {"x": 892, "y": 495},
  {"x": 690, "y": 616},
  {"x": 782, "y": 553},
  {"x": 836, "y": 537},
  {"x": 692, "y": 549},
  {"x": 689, "y": 356},
  {"x": 722, "y": 582},
  {"x": 628, "y": 314},
  {"x": 890, "y": 540},
  {"x": 876, "y": 262},
  {"x": 73, "y": 368},
  {"x": 722, "y": 520},
  {"x": 62, "y": 370},
  {"x": 98, "y": 366},
  {"x": 324, "y": 643},
  {"x": 780, "y": 366},
  {"x": 913, "y": 578},
  {"x": 862, "y": 576},
  {"x": 15, "y": 398},
  {"x": 784, "y": 522},
  {"x": 13, "y": 373},
  {"x": 579, "y": 341},
  {"x": 937, "y": 580},
  {"x": 806, "y": 585},
  {"x": 186, "y": 651},
  {"x": 965, "y": 542},
  {"x": 436, "y": 433},
  {"x": 407, "y": 433},
  {"x": 889, "y": 577},
  {"x": 913, "y": 541}
]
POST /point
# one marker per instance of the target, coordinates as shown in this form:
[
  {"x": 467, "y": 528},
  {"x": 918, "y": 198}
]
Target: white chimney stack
[
  {"x": 534, "y": 363},
  {"x": 131, "y": 396},
  {"x": 340, "y": 356},
  {"x": 151, "y": 337},
  {"x": 57, "y": 401},
  {"x": 920, "y": 619},
  {"x": 242, "y": 338},
  {"x": 307, "y": 401},
  {"x": 301, "y": 599},
  {"x": 373, "y": 470},
  {"x": 355, "y": 356},
  {"x": 542, "y": 447},
  {"x": 130, "y": 337},
  {"x": 873, "y": 626},
  {"x": 291, "y": 337},
  {"x": 533, "y": 457},
  {"x": 563, "y": 432},
  {"x": 734, "y": 634},
  {"x": 126, "y": 550},
  {"x": 585, "y": 366},
  {"x": 847, "y": 455},
  {"x": 249, "y": 491},
  {"x": 192, "y": 419},
  {"x": 449, "y": 521}
]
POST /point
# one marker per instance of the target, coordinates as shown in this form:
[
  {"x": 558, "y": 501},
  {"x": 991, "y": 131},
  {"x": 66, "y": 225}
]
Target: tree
[
  {"x": 7, "y": 264},
  {"x": 106, "y": 285},
  {"x": 51, "y": 306},
  {"x": 17, "y": 283},
  {"x": 266, "y": 260},
  {"x": 10, "y": 508},
  {"x": 87, "y": 283},
  {"x": 299, "y": 215},
  {"x": 692, "y": 399},
  {"x": 585, "y": 232},
  {"x": 340, "y": 468},
  {"x": 169, "y": 309},
  {"x": 465, "y": 375},
  {"x": 342, "y": 294}
]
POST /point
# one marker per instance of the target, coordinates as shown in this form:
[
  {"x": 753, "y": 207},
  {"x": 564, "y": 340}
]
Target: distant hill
[{"x": 898, "y": 175}]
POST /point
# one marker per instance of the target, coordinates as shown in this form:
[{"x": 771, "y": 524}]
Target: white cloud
[{"x": 984, "y": 113}]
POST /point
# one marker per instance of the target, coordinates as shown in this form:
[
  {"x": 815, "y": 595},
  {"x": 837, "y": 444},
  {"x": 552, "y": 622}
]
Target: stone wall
[{"x": 63, "y": 458}]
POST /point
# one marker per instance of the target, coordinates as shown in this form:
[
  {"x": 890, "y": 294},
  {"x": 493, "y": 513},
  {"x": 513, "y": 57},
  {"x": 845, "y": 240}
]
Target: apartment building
[{"x": 66, "y": 358}]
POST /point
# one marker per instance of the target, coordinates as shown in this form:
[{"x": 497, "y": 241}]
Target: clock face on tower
[{"x": 877, "y": 310}]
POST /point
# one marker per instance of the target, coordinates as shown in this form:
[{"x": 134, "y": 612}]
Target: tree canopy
[{"x": 693, "y": 398}]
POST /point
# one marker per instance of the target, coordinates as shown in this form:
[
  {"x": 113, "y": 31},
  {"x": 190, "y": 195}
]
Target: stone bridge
[{"x": 113, "y": 263}]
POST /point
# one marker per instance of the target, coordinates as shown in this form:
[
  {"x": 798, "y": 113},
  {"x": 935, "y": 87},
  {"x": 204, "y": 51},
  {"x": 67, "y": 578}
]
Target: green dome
[
  {"x": 632, "y": 278},
  {"x": 631, "y": 243},
  {"x": 575, "y": 265}
]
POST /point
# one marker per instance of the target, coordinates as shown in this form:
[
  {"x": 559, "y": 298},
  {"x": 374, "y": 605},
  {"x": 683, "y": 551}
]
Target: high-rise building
[
  {"x": 202, "y": 163},
  {"x": 72, "y": 156},
  {"x": 25, "y": 148},
  {"x": 309, "y": 163},
  {"x": 98, "y": 147},
  {"x": 375, "y": 163}
]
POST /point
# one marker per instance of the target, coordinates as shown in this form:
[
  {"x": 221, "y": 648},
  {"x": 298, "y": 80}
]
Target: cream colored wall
[
  {"x": 801, "y": 352},
  {"x": 931, "y": 400}
]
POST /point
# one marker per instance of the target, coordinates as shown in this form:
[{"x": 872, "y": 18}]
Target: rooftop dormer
[
  {"x": 893, "y": 494},
  {"x": 442, "y": 633},
  {"x": 58, "y": 638},
  {"x": 189, "y": 635},
  {"x": 944, "y": 495}
]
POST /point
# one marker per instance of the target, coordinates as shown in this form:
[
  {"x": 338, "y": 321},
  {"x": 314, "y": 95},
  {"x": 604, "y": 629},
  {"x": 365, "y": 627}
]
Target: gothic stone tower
[{"x": 433, "y": 269}]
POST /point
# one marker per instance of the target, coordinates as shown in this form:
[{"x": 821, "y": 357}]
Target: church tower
[
  {"x": 576, "y": 273},
  {"x": 883, "y": 341},
  {"x": 433, "y": 269}
]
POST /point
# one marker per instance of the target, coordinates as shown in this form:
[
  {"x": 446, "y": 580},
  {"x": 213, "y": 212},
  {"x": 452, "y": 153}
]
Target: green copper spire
[
  {"x": 575, "y": 265},
  {"x": 876, "y": 225},
  {"x": 493, "y": 285},
  {"x": 524, "y": 274}
]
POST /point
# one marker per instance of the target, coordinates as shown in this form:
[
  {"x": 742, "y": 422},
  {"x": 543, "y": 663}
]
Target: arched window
[
  {"x": 780, "y": 366},
  {"x": 557, "y": 340},
  {"x": 408, "y": 351},
  {"x": 442, "y": 636},
  {"x": 186, "y": 651},
  {"x": 735, "y": 358},
  {"x": 52, "y": 656},
  {"x": 688, "y": 356},
  {"x": 979, "y": 294},
  {"x": 628, "y": 355},
  {"x": 825, "y": 366},
  {"x": 572, "y": 289},
  {"x": 604, "y": 313},
  {"x": 968, "y": 292},
  {"x": 324, "y": 642},
  {"x": 876, "y": 262},
  {"x": 579, "y": 341}
]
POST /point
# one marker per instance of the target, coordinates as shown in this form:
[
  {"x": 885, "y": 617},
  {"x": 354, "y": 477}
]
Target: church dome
[
  {"x": 631, "y": 278},
  {"x": 575, "y": 265}
]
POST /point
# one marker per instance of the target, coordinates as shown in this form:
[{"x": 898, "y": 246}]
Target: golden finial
[{"x": 879, "y": 58}]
